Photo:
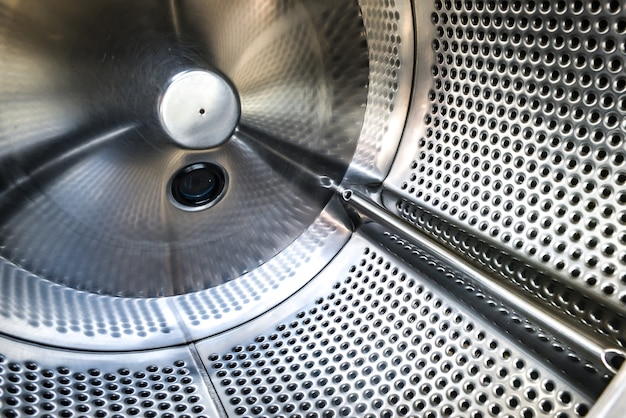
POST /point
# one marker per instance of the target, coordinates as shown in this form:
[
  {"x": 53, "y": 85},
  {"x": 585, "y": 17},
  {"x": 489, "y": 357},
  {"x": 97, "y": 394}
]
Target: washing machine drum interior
[
  {"x": 155, "y": 151},
  {"x": 304, "y": 208}
]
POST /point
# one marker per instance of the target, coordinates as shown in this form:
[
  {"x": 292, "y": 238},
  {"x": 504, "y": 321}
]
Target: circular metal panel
[
  {"x": 101, "y": 106},
  {"x": 95, "y": 254}
]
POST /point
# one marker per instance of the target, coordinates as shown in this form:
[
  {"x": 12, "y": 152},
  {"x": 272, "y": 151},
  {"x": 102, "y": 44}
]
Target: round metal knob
[{"x": 199, "y": 110}]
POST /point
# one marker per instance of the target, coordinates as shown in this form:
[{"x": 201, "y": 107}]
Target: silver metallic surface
[
  {"x": 391, "y": 44},
  {"x": 96, "y": 219},
  {"x": 205, "y": 313},
  {"x": 554, "y": 295},
  {"x": 580, "y": 338},
  {"x": 371, "y": 338},
  {"x": 612, "y": 403},
  {"x": 367, "y": 337},
  {"x": 85, "y": 160},
  {"x": 40, "y": 311},
  {"x": 473, "y": 268},
  {"x": 520, "y": 138},
  {"x": 40, "y": 382},
  {"x": 199, "y": 109}
]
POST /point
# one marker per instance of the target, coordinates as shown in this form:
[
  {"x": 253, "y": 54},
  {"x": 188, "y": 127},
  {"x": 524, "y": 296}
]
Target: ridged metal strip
[
  {"x": 381, "y": 341},
  {"x": 390, "y": 41},
  {"x": 507, "y": 158},
  {"x": 599, "y": 350},
  {"x": 522, "y": 139}
]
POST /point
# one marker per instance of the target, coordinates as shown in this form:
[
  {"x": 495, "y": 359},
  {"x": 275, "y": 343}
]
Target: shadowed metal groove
[{"x": 557, "y": 296}]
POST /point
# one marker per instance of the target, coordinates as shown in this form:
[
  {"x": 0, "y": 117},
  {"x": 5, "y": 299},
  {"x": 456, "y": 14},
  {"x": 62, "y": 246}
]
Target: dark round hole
[
  {"x": 198, "y": 184},
  {"x": 614, "y": 358}
]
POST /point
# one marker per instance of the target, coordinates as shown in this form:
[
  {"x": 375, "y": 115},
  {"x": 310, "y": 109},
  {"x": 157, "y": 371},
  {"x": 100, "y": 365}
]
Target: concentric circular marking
[
  {"x": 300, "y": 72},
  {"x": 200, "y": 109}
]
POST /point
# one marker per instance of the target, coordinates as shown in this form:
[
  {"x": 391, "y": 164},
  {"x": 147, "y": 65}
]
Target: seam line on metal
[{"x": 582, "y": 339}]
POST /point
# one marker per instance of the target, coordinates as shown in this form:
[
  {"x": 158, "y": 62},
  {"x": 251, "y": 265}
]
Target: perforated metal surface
[
  {"x": 390, "y": 39},
  {"x": 35, "y": 309},
  {"x": 507, "y": 311},
  {"x": 215, "y": 310},
  {"x": 382, "y": 341},
  {"x": 89, "y": 207},
  {"x": 87, "y": 320},
  {"x": 40, "y": 311},
  {"x": 512, "y": 157},
  {"x": 53, "y": 383},
  {"x": 523, "y": 142},
  {"x": 556, "y": 295}
]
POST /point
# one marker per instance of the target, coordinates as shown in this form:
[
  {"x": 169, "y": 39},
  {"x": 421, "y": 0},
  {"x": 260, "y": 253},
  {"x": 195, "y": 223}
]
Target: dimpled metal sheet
[
  {"x": 382, "y": 341},
  {"x": 47, "y": 383},
  {"x": 555, "y": 295},
  {"x": 390, "y": 40},
  {"x": 47, "y": 313},
  {"x": 481, "y": 278},
  {"x": 520, "y": 139},
  {"x": 52, "y": 293}
]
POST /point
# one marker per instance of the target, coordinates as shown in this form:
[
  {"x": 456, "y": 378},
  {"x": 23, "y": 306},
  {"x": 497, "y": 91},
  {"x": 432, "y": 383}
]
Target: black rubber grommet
[{"x": 198, "y": 185}]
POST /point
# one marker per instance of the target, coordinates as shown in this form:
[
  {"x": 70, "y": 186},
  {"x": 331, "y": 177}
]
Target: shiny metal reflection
[
  {"x": 95, "y": 121},
  {"x": 198, "y": 186},
  {"x": 418, "y": 296},
  {"x": 199, "y": 109}
]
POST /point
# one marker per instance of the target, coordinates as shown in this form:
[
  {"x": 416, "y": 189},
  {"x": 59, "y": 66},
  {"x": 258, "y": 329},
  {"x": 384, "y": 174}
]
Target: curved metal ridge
[
  {"x": 102, "y": 106},
  {"x": 372, "y": 337},
  {"x": 517, "y": 135},
  {"x": 37, "y": 310},
  {"x": 582, "y": 339},
  {"x": 367, "y": 337},
  {"x": 96, "y": 251},
  {"x": 312, "y": 208}
]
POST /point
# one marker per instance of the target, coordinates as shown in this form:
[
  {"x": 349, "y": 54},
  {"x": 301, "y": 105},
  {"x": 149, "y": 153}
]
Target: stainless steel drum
[{"x": 294, "y": 208}]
